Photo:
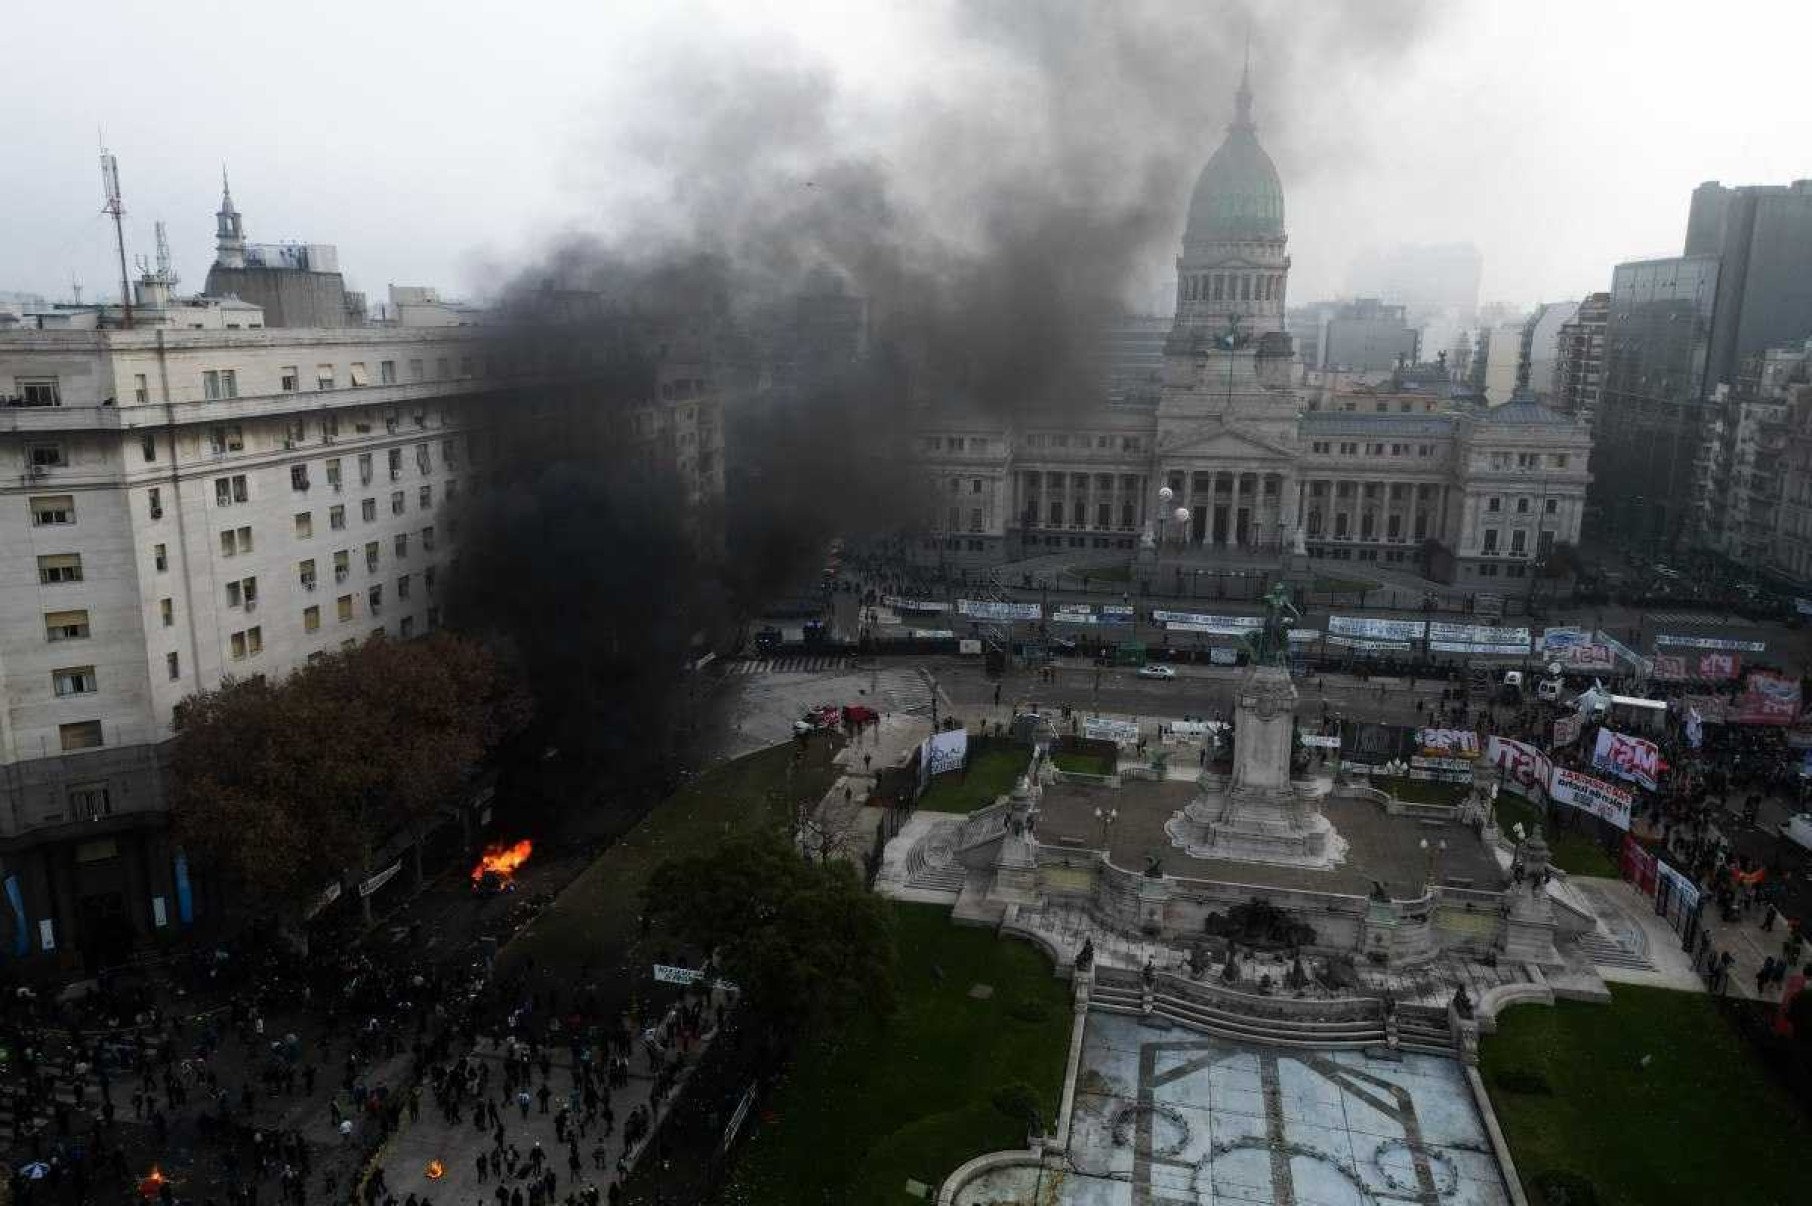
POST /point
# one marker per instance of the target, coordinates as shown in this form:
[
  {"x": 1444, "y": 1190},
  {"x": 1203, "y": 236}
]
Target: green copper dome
[{"x": 1238, "y": 195}]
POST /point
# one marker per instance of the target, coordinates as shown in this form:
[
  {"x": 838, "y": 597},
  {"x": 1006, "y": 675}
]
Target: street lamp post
[{"x": 1106, "y": 819}]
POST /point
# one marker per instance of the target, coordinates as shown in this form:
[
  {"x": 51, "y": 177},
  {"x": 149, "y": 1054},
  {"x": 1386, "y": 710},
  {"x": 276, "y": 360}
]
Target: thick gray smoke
[{"x": 847, "y": 266}]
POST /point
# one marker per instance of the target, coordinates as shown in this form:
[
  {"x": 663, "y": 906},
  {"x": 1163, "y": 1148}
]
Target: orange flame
[
  {"x": 503, "y": 860},
  {"x": 436, "y": 1170},
  {"x": 152, "y": 1182}
]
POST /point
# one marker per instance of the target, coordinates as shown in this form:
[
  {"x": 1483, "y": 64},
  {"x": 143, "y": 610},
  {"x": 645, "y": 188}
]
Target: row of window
[
  {"x": 1078, "y": 512},
  {"x": 1495, "y": 505},
  {"x": 235, "y": 488},
  {"x": 1231, "y": 286},
  {"x": 1505, "y": 461},
  {"x": 399, "y": 505},
  {"x": 1033, "y": 480},
  {"x": 1351, "y": 448},
  {"x": 1519, "y": 542},
  {"x": 1100, "y": 443},
  {"x": 1399, "y": 491},
  {"x": 1368, "y": 525},
  {"x": 224, "y": 383}
]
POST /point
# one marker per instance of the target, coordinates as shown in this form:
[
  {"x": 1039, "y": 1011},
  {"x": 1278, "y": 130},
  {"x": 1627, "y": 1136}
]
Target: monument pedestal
[{"x": 1259, "y": 814}]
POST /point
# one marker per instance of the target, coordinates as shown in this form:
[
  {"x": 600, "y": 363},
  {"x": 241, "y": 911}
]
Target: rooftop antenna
[
  {"x": 165, "y": 272},
  {"x": 110, "y": 182}
]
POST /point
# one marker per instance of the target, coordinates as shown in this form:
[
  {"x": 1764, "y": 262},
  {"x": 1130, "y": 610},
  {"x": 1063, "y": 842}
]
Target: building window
[
  {"x": 291, "y": 378},
  {"x": 323, "y": 376},
  {"x": 333, "y": 474},
  {"x": 1519, "y": 541},
  {"x": 50, "y": 510},
  {"x": 427, "y": 540},
  {"x": 402, "y": 587},
  {"x": 82, "y": 735},
  {"x": 220, "y": 383},
  {"x": 407, "y": 629},
  {"x": 173, "y": 666},
  {"x": 141, "y": 390},
  {"x": 1490, "y": 540},
  {"x": 65, "y": 625},
  {"x": 305, "y": 524},
  {"x": 336, "y": 517},
  {"x": 39, "y": 391},
  {"x": 371, "y": 556},
  {"x": 364, "y": 468},
  {"x": 311, "y": 619},
  {"x": 424, "y": 497},
  {"x": 234, "y": 541},
  {"x": 386, "y": 372},
  {"x": 423, "y": 463},
  {"x": 1494, "y": 505},
  {"x": 166, "y": 612},
  {"x": 397, "y": 502},
  {"x": 226, "y": 437},
  {"x": 415, "y": 370},
  {"x": 1552, "y": 506},
  {"x": 368, "y": 510},
  {"x": 343, "y": 608},
  {"x": 298, "y": 477},
  {"x": 356, "y": 373},
  {"x": 374, "y": 598},
  {"x": 396, "y": 463},
  {"x": 342, "y": 564},
  {"x": 402, "y": 544},
  {"x": 230, "y": 490},
  {"x": 55, "y": 568},
  {"x": 73, "y": 680},
  {"x": 1560, "y": 460},
  {"x": 305, "y": 573},
  {"x": 1522, "y": 506},
  {"x": 46, "y": 456}
]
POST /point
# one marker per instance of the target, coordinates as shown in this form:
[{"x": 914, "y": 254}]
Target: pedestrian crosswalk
[{"x": 797, "y": 664}]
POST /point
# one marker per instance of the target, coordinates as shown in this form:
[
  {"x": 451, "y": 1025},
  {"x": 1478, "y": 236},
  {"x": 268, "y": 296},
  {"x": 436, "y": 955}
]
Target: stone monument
[{"x": 1259, "y": 813}]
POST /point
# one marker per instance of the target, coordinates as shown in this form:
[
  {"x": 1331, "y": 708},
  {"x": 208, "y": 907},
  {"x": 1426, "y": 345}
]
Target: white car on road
[{"x": 1156, "y": 670}]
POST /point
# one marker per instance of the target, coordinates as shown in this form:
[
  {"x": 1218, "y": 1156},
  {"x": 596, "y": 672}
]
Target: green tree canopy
[
  {"x": 282, "y": 786},
  {"x": 807, "y": 943}
]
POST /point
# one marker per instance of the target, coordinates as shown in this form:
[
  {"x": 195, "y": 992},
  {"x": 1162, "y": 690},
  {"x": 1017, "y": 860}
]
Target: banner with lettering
[
  {"x": 1371, "y": 629},
  {"x": 1601, "y": 799},
  {"x": 1476, "y": 638},
  {"x": 1567, "y": 730},
  {"x": 1639, "y": 865},
  {"x": 1629, "y": 758},
  {"x": 1524, "y": 766},
  {"x": 1768, "y": 699},
  {"x": 990, "y": 609},
  {"x": 1447, "y": 743},
  {"x": 1712, "y": 709},
  {"x": 1702, "y": 667}
]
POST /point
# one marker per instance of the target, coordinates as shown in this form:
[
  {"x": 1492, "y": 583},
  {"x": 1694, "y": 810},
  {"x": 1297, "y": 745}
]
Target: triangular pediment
[{"x": 1219, "y": 438}]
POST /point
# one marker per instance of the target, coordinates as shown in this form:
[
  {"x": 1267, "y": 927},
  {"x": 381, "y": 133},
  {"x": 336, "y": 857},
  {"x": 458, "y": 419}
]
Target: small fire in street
[
  {"x": 435, "y": 1170},
  {"x": 152, "y": 1184},
  {"x": 496, "y": 869}
]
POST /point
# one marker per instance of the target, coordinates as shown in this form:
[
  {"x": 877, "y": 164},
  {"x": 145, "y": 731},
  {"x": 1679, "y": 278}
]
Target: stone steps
[
  {"x": 1356, "y": 1034},
  {"x": 1606, "y": 951}
]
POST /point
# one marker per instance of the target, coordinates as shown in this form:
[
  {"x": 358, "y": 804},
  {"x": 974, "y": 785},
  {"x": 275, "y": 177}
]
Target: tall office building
[
  {"x": 1676, "y": 334},
  {"x": 1579, "y": 371}
]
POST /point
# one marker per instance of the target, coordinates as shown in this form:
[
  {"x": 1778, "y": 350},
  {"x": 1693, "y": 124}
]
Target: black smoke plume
[{"x": 841, "y": 268}]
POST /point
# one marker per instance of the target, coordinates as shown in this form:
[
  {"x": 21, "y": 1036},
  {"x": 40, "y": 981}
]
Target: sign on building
[{"x": 1601, "y": 799}]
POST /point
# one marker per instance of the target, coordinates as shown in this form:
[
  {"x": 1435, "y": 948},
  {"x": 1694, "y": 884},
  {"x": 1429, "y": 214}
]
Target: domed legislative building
[{"x": 1224, "y": 454}]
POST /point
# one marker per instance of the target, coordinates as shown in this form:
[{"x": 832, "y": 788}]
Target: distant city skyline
[{"x": 450, "y": 155}]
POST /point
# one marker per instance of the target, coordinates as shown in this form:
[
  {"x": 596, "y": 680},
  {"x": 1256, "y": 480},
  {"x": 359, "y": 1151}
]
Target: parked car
[{"x": 1157, "y": 670}]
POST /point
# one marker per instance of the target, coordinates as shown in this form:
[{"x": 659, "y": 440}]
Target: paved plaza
[{"x": 1168, "y": 1117}]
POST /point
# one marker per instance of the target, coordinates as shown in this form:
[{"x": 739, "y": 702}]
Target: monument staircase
[{"x": 1350, "y": 1023}]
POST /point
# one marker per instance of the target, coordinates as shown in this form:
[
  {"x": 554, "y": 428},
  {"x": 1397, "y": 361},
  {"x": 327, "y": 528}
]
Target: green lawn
[
  {"x": 991, "y": 772},
  {"x": 1701, "y": 1123},
  {"x": 910, "y": 1098},
  {"x": 596, "y": 918},
  {"x": 1084, "y": 764},
  {"x": 1572, "y": 851}
]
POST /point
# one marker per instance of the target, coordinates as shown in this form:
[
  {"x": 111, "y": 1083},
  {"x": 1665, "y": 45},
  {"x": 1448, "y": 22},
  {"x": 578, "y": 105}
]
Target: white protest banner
[
  {"x": 1473, "y": 638},
  {"x": 1068, "y": 616},
  {"x": 1104, "y": 728},
  {"x": 1320, "y": 741},
  {"x": 1116, "y": 614},
  {"x": 1359, "y": 645},
  {"x": 1701, "y": 642},
  {"x": 666, "y": 973},
  {"x": 1377, "y": 630},
  {"x": 1553, "y": 639},
  {"x": 381, "y": 878},
  {"x": 1223, "y": 657},
  {"x": 944, "y": 751},
  {"x": 1448, "y": 743},
  {"x": 899, "y": 604},
  {"x": 1628, "y": 758},
  {"x": 1582, "y": 659},
  {"x": 989, "y": 609},
  {"x": 1524, "y": 765},
  {"x": 1595, "y": 796},
  {"x": 1191, "y": 621},
  {"x": 1567, "y": 730}
]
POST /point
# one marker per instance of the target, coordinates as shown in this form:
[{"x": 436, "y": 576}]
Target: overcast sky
[{"x": 446, "y": 143}]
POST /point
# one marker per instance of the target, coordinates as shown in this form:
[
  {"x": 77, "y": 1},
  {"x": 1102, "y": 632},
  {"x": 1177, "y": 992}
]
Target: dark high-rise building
[
  {"x": 1657, "y": 345},
  {"x": 1580, "y": 371},
  {"x": 1762, "y": 236},
  {"x": 1677, "y": 331}
]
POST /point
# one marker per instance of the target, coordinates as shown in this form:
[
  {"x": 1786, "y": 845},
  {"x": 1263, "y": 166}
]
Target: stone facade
[{"x": 1255, "y": 466}]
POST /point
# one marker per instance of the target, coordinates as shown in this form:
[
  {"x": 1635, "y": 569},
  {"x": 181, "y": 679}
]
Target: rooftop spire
[
  {"x": 1242, "y": 97},
  {"x": 230, "y": 233}
]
